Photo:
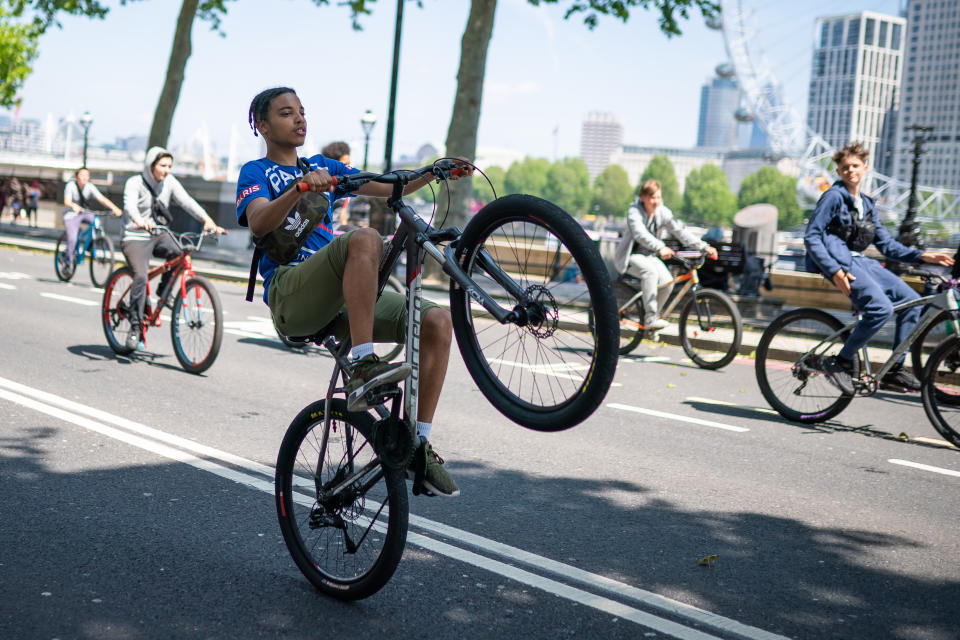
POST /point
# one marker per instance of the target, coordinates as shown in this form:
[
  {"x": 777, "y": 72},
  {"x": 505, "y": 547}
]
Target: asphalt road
[{"x": 138, "y": 501}]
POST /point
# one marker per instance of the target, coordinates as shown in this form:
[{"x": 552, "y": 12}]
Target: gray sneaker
[
  {"x": 429, "y": 476},
  {"x": 133, "y": 339},
  {"x": 369, "y": 372}
]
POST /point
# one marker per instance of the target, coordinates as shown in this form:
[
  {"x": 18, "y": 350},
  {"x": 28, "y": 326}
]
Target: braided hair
[{"x": 260, "y": 104}]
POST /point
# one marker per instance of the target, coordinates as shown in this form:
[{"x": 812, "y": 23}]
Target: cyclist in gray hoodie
[{"x": 146, "y": 202}]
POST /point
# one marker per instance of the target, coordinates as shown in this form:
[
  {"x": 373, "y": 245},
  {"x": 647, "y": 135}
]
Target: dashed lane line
[
  {"x": 208, "y": 459},
  {"x": 674, "y": 416},
  {"x": 925, "y": 467},
  {"x": 57, "y": 296}
]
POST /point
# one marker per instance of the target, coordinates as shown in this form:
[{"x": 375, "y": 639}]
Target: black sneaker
[
  {"x": 840, "y": 373},
  {"x": 900, "y": 379}
]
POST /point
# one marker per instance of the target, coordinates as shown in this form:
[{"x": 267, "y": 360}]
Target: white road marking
[
  {"x": 14, "y": 275},
  {"x": 57, "y": 296},
  {"x": 674, "y": 416},
  {"x": 925, "y": 467},
  {"x": 152, "y": 440},
  {"x": 4, "y": 285}
]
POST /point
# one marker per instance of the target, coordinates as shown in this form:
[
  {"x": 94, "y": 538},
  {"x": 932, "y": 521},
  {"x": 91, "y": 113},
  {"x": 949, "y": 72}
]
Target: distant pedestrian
[
  {"x": 339, "y": 151},
  {"x": 16, "y": 198},
  {"x": 33, "y": 203},
  {"x": 3, "y": 196}
]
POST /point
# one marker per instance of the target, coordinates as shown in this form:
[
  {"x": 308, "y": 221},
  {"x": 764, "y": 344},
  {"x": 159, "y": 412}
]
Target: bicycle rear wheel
[
  {"x": 941, "y": 389},
  {"x": 630, "y": 316},
  {"x": 115, "y": 309},
  {"x": 789, "y": 366},
  {"x": 347, "y": 543},
  {"x": 196, "y": 326},
  {"x": 710, "y": 329},
  {"x": 101, "y": 260},
  {"x": 61, "y": 262},
  {"x": 548, "y": 371}
]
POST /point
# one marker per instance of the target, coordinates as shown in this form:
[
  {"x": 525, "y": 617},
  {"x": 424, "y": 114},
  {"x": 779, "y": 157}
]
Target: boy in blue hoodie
[{"x": 845, "y": 223}]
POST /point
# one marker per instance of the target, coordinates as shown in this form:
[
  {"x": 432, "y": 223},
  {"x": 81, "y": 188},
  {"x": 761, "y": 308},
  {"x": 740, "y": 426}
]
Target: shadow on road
[{"x": 85, "y": 550}]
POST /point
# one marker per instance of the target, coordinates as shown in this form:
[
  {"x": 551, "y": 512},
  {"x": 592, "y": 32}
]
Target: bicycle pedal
[{"x": 367, "y": 396}]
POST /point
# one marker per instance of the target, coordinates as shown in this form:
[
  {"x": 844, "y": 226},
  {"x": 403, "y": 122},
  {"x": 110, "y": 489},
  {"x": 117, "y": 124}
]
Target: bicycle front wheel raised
[
  {"x": 61, "y": 261},
  {"x": 941, "y": 389},
  {"x": 346, "y": 537},
  {"x": 710, "y": 329},
  {"x": 789, "y": 365},
  {"x": 101, "y": 260},
  {"x": 115, "y": 310},
  {"x": 550, "y": 369},
  {"x": 196, "y": 325}
]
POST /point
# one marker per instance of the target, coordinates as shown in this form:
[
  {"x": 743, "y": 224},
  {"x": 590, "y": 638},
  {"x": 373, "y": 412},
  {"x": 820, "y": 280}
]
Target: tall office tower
[
  {"x": 718, "y": 103},
  {"x": 855, "y": 80},
  {"x": 931, "y": 93},
  {"x": 601, "y": 135}
]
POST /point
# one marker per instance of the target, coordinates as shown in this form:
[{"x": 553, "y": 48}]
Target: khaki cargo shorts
[{"x": 304, "y": 297}]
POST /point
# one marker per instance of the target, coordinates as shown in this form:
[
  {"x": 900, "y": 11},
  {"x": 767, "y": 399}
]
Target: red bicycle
[{"x": 196, "y": 318}]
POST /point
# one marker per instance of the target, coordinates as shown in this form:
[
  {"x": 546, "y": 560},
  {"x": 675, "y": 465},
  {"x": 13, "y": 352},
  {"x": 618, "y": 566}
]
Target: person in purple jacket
[{"x": 844, "y": 223}]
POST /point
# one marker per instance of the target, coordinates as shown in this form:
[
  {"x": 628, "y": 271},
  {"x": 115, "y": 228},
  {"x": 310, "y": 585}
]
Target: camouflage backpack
[{"x": 283, "y": 243}]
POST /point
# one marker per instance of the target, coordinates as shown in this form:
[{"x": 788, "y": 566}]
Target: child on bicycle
[
  {"x": 145, "y": 196},
  {"x": 642, "y": 251},
  {"x": 78, "y": 197},
  {"x": 331, "y": 273},
  {"x": 844, "y": 223}
]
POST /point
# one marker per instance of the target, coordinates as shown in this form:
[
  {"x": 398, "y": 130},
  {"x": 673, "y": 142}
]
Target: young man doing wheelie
[{"x": 331, "y": 273}]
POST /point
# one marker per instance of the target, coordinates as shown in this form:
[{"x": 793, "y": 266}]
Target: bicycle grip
[{"x": 303, "y": 187}]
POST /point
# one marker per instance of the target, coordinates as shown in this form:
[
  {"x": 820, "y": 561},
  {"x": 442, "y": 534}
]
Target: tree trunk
[
  {"x": 163, "y": 116},
  {"x": 462, "y": 134}
]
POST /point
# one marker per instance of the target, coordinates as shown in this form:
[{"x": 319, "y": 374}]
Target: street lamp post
[
  {"x": 85, "y": 121},
  {"x": 909, "y": 230},
  {"x": 367, "y": 121}
]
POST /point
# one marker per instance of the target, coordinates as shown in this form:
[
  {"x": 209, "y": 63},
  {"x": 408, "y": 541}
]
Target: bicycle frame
[
  {"x": 691, "y": 279},
  {"x": 948, "y": 300},
  {"x": 417, "y": 238},
  {"x": 85, "y": 239}
]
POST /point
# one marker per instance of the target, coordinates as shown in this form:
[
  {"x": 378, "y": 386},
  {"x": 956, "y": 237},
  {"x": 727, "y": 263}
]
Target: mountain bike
[
  {"x": 710, "y": 326},
  {"x": 791, "y": 351},
  {"x": 196, "y": 316},
  {"x": 520, "y": 324},
  {"x": 91, "y": 241}
]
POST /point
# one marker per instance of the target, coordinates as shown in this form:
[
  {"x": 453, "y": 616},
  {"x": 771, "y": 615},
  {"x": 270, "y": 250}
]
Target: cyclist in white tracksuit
[{"x": 641, "y": 251}]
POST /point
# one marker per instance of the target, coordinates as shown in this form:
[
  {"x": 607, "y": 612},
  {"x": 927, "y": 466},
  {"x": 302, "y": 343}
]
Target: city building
[
  {"x": 717, "y": 127},
  {"x": 634, "y": 159},
  {"x": 855, "y": 81},
  {"x": 601, "y": 135},
  {"x": 931, "y": 93}
]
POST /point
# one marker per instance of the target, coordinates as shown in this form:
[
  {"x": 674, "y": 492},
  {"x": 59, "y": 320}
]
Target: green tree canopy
[
  {"x": 612, "y": 192},
  {"x": 772, "y": 187},
  {"x": 707, "y": 198},
  {"x": 661, "y": 170},
  {"x": 482, "y": 190},
  {"x": 22, "y": 22},
  {"x": 568, "y": 185},
  {"x": 528, "y": 176}
]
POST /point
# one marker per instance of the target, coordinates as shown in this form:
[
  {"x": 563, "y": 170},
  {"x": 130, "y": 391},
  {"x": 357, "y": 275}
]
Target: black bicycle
[{"x": 523, "y": 278}]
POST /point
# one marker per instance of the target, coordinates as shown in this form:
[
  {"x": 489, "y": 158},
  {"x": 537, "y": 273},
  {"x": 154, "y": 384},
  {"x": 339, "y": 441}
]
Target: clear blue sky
[{"x": 542, "y": 72}]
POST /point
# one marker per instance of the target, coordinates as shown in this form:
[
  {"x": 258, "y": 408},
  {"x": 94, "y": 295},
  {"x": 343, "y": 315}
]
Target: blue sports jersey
[{"x": 265, "y": 178}]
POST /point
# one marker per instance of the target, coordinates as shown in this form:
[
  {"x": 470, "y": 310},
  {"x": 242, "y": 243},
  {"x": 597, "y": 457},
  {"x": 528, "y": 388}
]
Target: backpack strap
[
  {"x": 304, "y": 167},
  {"x": 252, "y": 281}
]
